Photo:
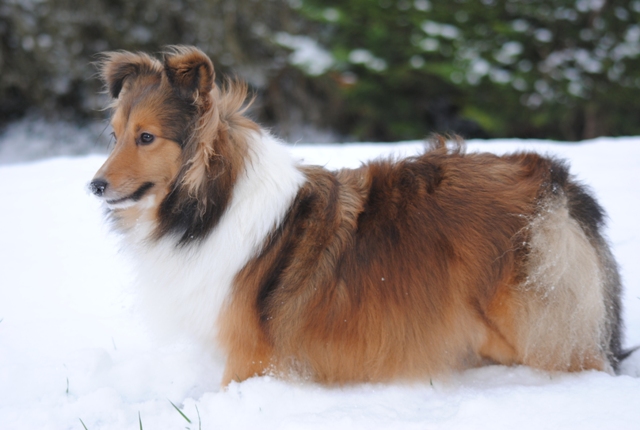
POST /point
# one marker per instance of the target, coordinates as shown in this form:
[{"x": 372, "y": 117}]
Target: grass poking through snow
[
  {"x": 186, "y": 417},
  {"x": 180, "y": 412}
]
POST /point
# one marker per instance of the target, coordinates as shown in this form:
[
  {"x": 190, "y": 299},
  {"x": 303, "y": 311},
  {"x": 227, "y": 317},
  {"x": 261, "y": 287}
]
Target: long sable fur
[{"x": 400, "y": 269}]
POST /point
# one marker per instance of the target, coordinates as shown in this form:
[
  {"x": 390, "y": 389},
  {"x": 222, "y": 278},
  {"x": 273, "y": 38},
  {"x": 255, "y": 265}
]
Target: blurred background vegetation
[{"x": 344, "y": 70}]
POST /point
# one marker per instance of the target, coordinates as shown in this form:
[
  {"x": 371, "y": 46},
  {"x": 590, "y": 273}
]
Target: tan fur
[
  {"x": 481, "y": 282},
  {"x": 130, "y": 165},
  {"x": 222, "y": 122}
]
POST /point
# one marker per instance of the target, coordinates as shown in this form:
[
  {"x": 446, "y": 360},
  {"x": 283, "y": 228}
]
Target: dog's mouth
[{"x": 131, "y": 199}]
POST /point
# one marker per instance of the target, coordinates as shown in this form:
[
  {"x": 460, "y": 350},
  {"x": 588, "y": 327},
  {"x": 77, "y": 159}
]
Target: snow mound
[{"x": 74, "y": 353}]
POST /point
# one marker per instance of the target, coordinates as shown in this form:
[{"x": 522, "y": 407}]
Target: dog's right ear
[
  {"x": 117, "y": 67},
  {"x": 190, "y": 72}
]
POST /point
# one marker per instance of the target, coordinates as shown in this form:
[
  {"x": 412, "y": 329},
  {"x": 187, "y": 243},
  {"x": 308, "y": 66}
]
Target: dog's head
[
  {"x": 154, "y": 110},
  {"x": 179, "y": 139}
]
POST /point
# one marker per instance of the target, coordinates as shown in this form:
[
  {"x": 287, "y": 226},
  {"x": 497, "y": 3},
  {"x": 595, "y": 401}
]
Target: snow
[
  {"x": 307, "y": 53},
  {"x": 74, "y": 351},
  {"x": 32, "y": 138}
]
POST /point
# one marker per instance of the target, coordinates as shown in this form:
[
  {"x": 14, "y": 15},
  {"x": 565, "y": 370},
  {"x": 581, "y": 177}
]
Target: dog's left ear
[
  {"x": 117, "y": 69},
  {"x": 190, "y": 73}
]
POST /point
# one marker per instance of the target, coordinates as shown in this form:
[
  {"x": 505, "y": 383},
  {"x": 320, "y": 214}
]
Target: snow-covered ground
[{"x": 74, "y": 352}]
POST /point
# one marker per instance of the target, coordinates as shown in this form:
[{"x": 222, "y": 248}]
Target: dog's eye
[{"x": 146, "y": 138}]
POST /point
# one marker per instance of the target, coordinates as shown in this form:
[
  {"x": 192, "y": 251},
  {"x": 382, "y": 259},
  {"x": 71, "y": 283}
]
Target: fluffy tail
[{"x": 589, "y": 214}]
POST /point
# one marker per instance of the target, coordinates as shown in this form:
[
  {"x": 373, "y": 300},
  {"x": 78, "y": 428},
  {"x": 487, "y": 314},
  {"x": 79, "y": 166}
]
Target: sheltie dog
[{"x": 398, "y": 270}]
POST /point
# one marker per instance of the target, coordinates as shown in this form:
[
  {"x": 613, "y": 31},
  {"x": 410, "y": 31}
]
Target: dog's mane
[
  {"x": 221, "y": 124},
  {"x": 213, "y": 158}
]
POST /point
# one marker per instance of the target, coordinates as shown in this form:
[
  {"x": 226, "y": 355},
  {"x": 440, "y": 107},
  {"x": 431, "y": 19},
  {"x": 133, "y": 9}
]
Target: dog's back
[{"x": 412, "y": 268}]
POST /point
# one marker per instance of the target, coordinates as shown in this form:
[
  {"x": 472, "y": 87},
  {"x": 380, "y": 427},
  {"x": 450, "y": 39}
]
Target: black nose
[{"x": 98, "y": 186}]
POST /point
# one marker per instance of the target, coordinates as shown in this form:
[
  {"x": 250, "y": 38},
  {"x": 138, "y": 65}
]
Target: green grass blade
[
  {"x": 82, "y": 422},
  {"x": 180, "y": 412}
]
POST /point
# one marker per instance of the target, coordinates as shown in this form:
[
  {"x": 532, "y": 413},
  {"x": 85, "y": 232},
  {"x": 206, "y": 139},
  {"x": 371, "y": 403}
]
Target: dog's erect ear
[
  {"x": 117, "y": 67},
  {"x": 190, "y": 72}
]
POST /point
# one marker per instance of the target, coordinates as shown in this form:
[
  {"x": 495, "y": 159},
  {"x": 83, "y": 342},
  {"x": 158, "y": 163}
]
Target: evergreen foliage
[
  {"x": 47, "y": 47},
  {"x": 365, "y": 69},
  {"x": 567, "y": 69}
]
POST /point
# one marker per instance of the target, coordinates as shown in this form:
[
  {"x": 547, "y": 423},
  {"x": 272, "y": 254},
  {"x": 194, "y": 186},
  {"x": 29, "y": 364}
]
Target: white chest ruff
[{"x": 184, "y": 288}]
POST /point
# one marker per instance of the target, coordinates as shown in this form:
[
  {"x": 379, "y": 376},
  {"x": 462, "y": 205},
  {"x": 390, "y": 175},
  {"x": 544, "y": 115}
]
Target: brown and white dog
[{"x": 397, "y": 270}]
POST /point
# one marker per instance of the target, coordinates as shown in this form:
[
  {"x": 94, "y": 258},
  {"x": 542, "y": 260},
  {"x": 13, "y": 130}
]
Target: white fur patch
[
  {"x": 145, "y": 203},
  {"x": 186, "y": 287},
  {"x": 126, "y": 204},
  {"x": 565, "y": 322}
]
